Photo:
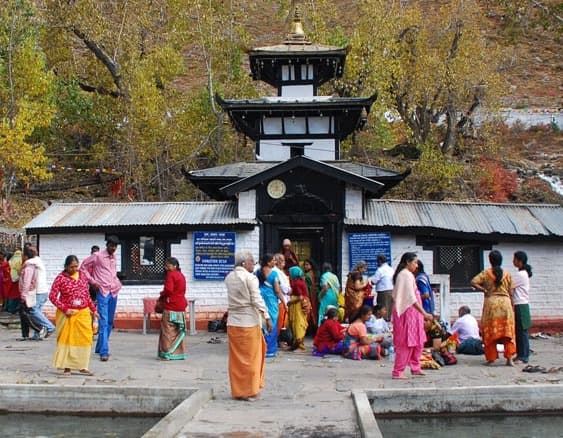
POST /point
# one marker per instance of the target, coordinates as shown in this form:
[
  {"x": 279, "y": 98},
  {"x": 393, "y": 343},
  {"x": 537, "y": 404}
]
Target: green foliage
[
  {"x": 434, "y": 176},
  {"x": 26, "y": 96}
]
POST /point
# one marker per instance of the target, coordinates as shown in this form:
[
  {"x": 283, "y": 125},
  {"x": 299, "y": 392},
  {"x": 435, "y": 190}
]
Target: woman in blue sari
[
  {"x": 329, "y": 290},
  {"x": 271, "y": 294}
]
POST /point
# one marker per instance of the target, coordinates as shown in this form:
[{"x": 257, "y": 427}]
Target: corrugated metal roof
[
  {"x": 73, "y": 215},
  {"x": 480, "y": 218}
]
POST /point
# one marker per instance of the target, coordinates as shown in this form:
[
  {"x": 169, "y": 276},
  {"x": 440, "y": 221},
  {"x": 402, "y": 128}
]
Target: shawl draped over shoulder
[{"x": 404, "y": 291}]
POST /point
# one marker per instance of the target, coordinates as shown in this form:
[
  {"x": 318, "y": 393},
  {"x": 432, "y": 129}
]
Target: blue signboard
[
  {"x": 367, "y": 246},
  {"x": 214, "y": 254}
]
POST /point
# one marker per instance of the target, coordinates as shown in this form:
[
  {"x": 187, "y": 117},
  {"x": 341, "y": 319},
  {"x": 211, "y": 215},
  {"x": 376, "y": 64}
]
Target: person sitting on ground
[
  {"x": 358, "y": 344},
  {"x": 435, "y": 335},
  {"x": 330, "y": 335},
  {"x": 377, "y": 325},
  {"x": 467, "y": 330}
]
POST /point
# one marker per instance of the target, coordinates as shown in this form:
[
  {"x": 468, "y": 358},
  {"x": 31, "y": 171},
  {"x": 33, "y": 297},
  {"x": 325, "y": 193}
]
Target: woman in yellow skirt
[{"x": 71, "y": 297}]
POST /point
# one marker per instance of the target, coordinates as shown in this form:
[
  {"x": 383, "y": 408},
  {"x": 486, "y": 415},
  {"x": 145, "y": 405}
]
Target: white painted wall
[
  {"x": 210, "y": 295},
  {"x": 321, "y": 149},
  {"x": 546, "y": 294},
  {"x": 247, "y": 205},
  {"x": 354, "y": 202}
]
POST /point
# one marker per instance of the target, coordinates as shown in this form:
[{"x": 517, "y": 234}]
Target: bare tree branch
[{"x": 111, "y": 64}]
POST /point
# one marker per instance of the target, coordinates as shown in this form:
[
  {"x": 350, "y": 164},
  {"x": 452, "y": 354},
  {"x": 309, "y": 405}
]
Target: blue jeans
[
  {"x": 36, "y": 318},
  {"x": 106, "y": 310},
  {"x": 38, "y": 315}
]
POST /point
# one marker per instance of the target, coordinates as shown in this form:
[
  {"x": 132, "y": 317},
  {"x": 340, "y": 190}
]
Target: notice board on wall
[
  {"x": 214, "y": 254},
  {"x": 367, "y": 246}
]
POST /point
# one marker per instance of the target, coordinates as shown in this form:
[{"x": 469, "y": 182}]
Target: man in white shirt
[
  {"x": 383, "y": 281},
  {"x": 247, "y": 312},
  {"x": 467, "y": 330}
]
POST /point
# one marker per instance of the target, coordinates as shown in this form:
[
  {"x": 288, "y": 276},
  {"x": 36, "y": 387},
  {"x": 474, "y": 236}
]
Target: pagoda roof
[
  {"x": 245, "y": 113},
  {"x": 311, "y": 50},
  {"x": 214, "y": 180}
]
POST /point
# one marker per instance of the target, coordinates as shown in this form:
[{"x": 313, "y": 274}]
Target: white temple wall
[{"x": 210, "y": 295}]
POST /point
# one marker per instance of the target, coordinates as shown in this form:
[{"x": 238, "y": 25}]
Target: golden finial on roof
[{"x": 297, "y": 34}]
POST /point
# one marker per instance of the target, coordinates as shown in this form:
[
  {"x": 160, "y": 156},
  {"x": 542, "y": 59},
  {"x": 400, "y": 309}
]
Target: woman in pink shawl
[{"x": 408, "y": 319}]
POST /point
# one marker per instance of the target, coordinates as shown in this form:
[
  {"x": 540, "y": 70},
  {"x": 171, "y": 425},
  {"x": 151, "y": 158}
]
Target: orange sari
[{"x": 497, "y": 320}]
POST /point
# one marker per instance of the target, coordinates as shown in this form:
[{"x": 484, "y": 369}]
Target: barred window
[
  {"x": 461, "y": 262},
  {"x": 142, "y": 258}
]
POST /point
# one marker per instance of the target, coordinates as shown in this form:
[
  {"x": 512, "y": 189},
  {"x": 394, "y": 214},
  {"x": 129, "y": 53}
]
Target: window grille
[{"x": 462, "y": 263}]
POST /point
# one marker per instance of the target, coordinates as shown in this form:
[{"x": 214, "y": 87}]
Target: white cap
[{"x": 286, "y": 242}]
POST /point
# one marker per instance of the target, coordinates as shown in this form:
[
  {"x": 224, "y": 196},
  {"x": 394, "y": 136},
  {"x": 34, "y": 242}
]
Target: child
[{"x": 377, "y": 325}]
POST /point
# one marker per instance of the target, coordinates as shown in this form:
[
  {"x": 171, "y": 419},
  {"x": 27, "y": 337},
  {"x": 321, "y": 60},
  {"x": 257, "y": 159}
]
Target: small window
[
  {"x": 142, "y": 258},
  {"x": 462, "y": 263}
]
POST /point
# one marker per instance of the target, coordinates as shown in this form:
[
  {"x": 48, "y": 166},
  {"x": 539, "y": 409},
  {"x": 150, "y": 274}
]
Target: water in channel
[
  {"x": 70, "y": 426},
  {"x": 482, "y": 426}
]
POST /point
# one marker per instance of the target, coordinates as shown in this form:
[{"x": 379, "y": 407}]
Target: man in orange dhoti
[{"x": 247, "y": 348}]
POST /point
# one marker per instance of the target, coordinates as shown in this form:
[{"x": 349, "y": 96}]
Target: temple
[{"x": 299, "y": 186}]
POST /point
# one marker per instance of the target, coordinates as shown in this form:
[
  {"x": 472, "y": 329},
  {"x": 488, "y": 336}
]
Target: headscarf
[{"x": 295, "y": 272}]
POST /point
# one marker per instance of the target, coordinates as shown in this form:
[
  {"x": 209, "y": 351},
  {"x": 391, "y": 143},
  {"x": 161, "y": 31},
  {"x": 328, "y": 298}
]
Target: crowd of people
[
  {"x": 85, "y": 297},
  {"x": 403, "y": 321},
  {"x": 276, "y": 304}
]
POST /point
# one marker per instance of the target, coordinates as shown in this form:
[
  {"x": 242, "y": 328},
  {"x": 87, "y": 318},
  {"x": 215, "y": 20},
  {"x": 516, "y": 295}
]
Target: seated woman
[
  {"x": 330, "y": 335},
  {"x": 358, "y": 344},
  {"x": 435, "y": 335}
]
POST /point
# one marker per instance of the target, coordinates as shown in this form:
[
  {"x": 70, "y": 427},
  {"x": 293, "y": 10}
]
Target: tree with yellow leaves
[
  {"x": 435, "y": 70},
  {"x": 26, "y": 90}
]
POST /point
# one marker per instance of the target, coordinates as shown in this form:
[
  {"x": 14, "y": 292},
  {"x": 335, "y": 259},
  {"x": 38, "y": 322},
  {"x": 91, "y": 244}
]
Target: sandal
[
  {"x": 86, "y": 372},
  {"x": 418, "y": 373},
  {"x": 67, "y": 372}
]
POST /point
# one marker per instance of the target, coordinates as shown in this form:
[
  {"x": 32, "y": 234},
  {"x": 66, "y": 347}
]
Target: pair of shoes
[
  {"x": 35, "y": 338},
  {"x": 49, "y": 333},
  {"x": 104, "y": 358},
  {"x": 214, "y": 341},
  {"x": 86, "y": 372}
]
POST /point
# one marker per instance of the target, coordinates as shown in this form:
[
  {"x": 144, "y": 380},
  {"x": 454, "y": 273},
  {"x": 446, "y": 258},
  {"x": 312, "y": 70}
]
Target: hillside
[{"x": 531, "y": 41}]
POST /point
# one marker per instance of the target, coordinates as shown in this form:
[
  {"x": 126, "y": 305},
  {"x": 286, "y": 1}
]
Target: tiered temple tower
[{"x": 298, "y": 187}]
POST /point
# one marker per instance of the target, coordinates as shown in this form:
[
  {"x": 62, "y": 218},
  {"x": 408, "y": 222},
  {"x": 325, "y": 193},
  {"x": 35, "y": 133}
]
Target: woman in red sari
[
  {"x": 173, "y": 323},
  {"x": 408, "y": 319},
  {"x": 497, "y": 320}
]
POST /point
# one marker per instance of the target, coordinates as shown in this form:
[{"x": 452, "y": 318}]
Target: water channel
[
  {"x": 484, "y": 425},
  {"x": 71, "y": 426}
]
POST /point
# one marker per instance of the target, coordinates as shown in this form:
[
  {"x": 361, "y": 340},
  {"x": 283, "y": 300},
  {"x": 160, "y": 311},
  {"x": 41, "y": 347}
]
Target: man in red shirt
[{"x": 101, "y": 271}]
